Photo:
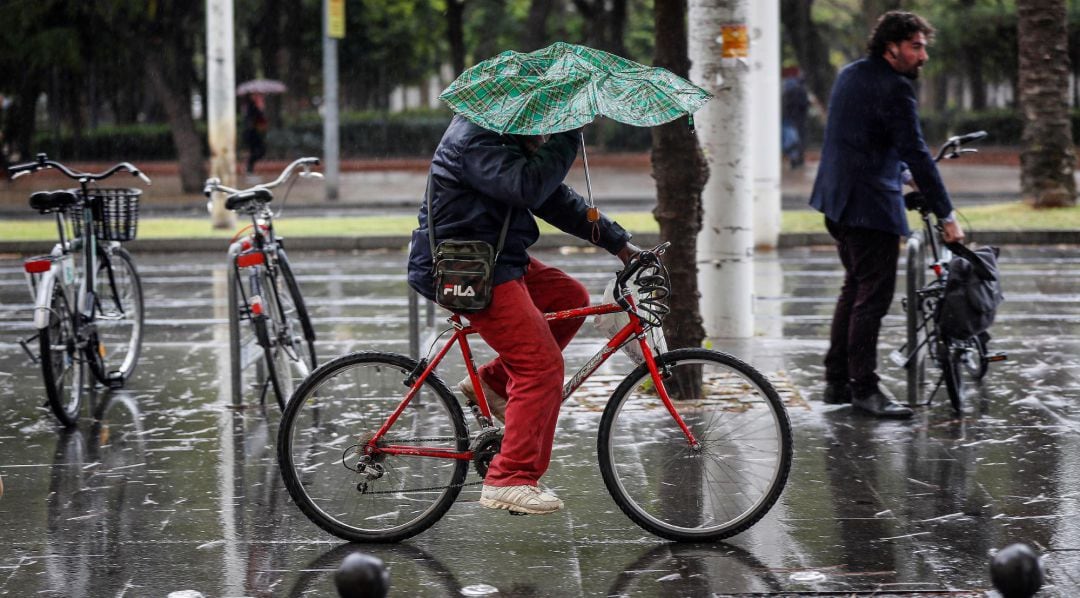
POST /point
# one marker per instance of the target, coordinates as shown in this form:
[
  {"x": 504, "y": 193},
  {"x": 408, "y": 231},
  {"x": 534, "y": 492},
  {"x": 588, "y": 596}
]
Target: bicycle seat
[
  {"x": 47, "y": 201},
  {"x": 237, "y": 201}
]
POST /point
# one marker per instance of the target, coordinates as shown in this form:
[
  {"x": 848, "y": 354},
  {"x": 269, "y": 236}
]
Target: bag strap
[{"x": 431, "y": 223}]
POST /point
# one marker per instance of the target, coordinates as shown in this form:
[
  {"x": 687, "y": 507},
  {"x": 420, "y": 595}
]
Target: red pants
[{"x": 529, "y": 368}]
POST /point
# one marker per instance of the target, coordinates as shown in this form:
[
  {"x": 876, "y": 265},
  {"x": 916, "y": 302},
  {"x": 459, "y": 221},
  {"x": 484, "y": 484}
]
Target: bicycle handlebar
[
  {"x": 648, "y": 271},
  {"x": 42, "y": 162},
  {"x": 214, "y": 183},
  {"x": 952, "y": 147}
]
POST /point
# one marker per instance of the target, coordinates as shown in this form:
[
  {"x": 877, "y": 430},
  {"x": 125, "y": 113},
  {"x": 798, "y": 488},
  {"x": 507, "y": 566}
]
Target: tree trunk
[
  {"x": 680, "y": 172},
  {"x": 176, "y": 99},
  {"x": 455, "y": 34},
  {"x": 535, "y": 35},
  {"x": 606, "y": 26},
  {"x": 1048, "y": 159},
  {"x": 810, "y": 49}
]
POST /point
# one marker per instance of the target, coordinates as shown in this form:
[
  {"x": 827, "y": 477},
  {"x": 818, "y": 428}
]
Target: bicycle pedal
[
  {"x": 114, "y": 380},
  {"x": 516, "y": 514},
  {"x": 998, "y": 357}
]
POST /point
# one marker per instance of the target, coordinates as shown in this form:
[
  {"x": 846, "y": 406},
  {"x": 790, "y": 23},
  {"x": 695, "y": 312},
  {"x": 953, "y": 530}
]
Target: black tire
[
  {"x": 119, "y": 313},
  {"x": 951, "y": 361},
  {"x": 334, "y": 412},
  {"x": 63, "y": 367},
  {"x": 290, "y": 353},
  {"x": 654, "y": 476},
  {"x": 975, "y": 359},
  {"x": 297, "y": 299}
]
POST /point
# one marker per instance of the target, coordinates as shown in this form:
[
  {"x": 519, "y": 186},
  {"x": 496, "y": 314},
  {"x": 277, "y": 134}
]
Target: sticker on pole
[{"x": 734, "y": 44}]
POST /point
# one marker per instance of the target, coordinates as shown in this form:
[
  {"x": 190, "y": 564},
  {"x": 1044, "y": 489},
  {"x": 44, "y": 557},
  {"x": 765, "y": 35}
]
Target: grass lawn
[{"x": 1007, "y": 216}]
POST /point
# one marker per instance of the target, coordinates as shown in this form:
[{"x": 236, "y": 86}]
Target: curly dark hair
[{"x": 894, "y": 27}]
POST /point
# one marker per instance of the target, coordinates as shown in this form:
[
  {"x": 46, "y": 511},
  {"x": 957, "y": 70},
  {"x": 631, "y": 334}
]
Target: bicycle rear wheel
[
  {"x": 63, "y": 366},
  {"x": 717, "y": 490},
  {"x": 329, "y": 421},
  {"x": 119, "y": 314}
]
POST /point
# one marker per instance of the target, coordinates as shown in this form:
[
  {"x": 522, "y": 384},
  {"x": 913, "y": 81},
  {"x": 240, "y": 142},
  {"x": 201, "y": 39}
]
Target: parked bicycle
[
  {"x": 693, "y": 445},
  {"x": 280, "y": 340},
  {"x": 926, "y": 341},
  {"x": 88, "y": 300}
]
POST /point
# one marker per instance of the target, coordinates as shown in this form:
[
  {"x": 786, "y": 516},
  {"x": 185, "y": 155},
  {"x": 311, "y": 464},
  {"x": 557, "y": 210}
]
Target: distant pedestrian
[
  {"x": 795, "y": 104},
  {"x": 872, "y": 133},
  {"x": 255, "y": 127}
]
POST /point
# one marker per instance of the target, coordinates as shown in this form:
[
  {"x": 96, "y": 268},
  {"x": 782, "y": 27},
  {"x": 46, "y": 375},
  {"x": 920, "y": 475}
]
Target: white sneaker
[
  {"x": 496, "y": 402},
  {"x": 520, "y": 499}
]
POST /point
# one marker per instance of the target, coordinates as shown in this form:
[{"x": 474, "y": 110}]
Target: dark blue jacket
[
  {"x": 872, "y": 132},
  {"x": 477, "y": 175}
]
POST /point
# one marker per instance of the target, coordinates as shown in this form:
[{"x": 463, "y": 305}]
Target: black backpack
[{"x": 972, "y": 293}]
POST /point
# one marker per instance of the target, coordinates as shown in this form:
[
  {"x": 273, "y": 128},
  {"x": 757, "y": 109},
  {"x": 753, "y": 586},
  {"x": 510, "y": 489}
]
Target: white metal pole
[
  {"x": 331, "y": 143},
  {"x": 765, "y": 123},
  {"x": 719, "y": 57},
  {"x": 221, "y": 104}
]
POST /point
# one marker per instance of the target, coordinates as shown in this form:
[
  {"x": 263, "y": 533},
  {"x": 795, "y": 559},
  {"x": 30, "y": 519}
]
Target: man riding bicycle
[{"x": 477, "y": 177}]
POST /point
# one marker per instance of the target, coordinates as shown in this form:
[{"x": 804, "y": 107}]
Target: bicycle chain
[{"x": 429, "y": 488}]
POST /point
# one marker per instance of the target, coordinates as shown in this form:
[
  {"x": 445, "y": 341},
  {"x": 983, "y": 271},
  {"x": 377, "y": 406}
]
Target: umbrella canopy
[
  {"x": 566, "y": 86},
  {"x": 260, "y": 86}
]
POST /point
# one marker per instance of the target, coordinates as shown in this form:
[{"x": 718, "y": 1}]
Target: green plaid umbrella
[{"x": 565, "y": 86}]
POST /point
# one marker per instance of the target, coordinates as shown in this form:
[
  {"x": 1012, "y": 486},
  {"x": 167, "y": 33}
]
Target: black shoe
[
  {"x": 879, "y": 405},
  {"x": 836, "y": 393}
]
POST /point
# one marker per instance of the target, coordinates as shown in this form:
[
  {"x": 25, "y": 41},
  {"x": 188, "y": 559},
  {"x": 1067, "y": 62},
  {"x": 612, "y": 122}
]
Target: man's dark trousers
[{"x": 869, "y": 257}]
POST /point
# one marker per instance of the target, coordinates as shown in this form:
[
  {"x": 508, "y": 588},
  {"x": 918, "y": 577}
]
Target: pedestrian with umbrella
[
  {"x": 255, "y": 122},
  {"x": 500, "y": 165}
]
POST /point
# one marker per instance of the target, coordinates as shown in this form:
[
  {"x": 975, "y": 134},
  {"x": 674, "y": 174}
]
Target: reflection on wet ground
[{"x": 170, "y": 488}]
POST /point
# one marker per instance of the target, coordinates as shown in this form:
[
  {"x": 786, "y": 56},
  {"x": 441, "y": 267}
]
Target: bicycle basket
[{"x": 116, "y": 213}]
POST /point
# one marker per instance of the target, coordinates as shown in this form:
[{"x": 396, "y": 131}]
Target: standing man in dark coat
[{"x": 872, "y": 136}]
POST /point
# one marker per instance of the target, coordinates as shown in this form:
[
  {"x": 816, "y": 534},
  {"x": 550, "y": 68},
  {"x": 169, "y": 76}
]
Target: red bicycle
[{"x": 693, "y": 445}]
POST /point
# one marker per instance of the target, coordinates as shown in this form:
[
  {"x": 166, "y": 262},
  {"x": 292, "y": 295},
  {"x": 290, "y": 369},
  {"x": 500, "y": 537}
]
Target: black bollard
[
  {"x": 1016, "y": 571},
  {"x": 362, "y": 575}
]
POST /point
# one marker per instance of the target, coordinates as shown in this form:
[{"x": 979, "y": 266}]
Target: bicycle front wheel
[
  {"x": 380, "y": 497},
  {"x": 951, "y": 359},
  {"x": 63, "y": 366},
  {"x": 709, "y": 492},
  {"x": 975, "y": 359},
  {"x": 119, "y": 314},
  {"x": 290, "y": 354}
]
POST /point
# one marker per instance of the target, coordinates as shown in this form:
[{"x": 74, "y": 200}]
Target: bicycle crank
[{"x": 484, "y": 448}]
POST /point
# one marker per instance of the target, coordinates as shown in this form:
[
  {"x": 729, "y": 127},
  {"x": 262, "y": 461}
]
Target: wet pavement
[{"x": 173, "y": 488}]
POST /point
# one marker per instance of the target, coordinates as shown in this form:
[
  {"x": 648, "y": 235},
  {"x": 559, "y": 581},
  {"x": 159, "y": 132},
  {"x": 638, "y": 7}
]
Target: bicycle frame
[{"x": 633, "y": 328}]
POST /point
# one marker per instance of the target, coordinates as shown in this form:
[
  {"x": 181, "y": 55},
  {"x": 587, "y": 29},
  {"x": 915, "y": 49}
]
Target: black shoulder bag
[{"x": 463, "y": 270}]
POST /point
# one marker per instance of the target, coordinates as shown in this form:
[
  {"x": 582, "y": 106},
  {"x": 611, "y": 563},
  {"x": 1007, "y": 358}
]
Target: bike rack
[{"x": 916, "y": 273}]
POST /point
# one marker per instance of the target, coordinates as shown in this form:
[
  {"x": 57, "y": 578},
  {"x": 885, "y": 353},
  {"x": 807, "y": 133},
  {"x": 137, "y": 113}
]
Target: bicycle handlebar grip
[{"x": 977, "y": 135}]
